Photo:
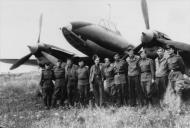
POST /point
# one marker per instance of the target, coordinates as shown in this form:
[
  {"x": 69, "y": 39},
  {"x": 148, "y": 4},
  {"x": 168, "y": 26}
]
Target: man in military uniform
[
  {"x": 147, "y": 76},
  {"x": 108, "y": 73},
  {"x": 60, "y": 91},
  {"x": 46, "y": 83},
  {"x": 96, "y": 81},
  {"x": 71, "y": 81},
  {"x": 177, "y": 69},
  {"x": 161, "y": 73},
  {"x": 175, "y": 64},
  {"x": 120, "y": 76},
  {"x": 83, "y": 82},
  {"x": 134, "y": 87}
]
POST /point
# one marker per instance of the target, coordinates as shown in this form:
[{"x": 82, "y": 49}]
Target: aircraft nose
[{"x": 68, "y": 26}]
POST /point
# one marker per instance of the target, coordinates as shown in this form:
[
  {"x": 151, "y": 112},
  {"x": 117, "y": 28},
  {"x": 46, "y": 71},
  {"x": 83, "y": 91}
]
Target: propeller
[
  {"x": 25, "y": 58},
  {"x": 21, "y": 61},
  {"x": 40, "y": 27},
  {"x": 146, "y": 37},
  {"x": 144, "y": 8}
]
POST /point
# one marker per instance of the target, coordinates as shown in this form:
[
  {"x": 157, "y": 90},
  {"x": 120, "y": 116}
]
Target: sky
[{"x": 19, "y": 22}]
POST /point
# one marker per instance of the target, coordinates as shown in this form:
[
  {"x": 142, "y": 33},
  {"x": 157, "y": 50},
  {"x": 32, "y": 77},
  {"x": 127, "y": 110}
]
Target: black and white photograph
[{"x": 94, "y": 64}]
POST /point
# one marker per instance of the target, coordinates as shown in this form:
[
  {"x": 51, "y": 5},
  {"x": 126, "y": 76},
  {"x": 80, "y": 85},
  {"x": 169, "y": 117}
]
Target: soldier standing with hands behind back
[
  {"x": 71, "y": 81},
  {"x": 60, "y": 91},
  {"x": 83, "y": 82},
  {"x": 47, "y": 85}
]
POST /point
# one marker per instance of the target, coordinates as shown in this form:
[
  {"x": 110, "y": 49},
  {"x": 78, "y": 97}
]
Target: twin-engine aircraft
[{"x": 97, "y": 39}]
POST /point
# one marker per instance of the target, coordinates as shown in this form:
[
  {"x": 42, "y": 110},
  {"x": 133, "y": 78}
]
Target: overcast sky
[{"x": 19, "y": 21}]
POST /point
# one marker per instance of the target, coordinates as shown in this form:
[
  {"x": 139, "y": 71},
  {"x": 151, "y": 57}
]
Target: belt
[
  {"x": 60, "y": 78},
  {"x": 146, "y": 72},
  {"x": 119, "y": 73},
  {"x": 83, "y": 79},
  {"x": 175, "y": 70}
]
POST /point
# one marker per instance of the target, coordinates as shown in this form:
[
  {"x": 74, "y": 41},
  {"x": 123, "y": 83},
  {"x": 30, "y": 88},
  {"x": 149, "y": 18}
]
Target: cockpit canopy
[{"x": 109, "y": 26}]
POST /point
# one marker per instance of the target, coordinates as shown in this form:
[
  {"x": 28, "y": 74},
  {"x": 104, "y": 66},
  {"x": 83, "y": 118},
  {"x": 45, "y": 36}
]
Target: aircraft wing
[{"x": 32, "y": 62}]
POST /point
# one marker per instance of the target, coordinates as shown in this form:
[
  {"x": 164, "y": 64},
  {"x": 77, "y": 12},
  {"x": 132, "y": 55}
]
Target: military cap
[
  {"x": 142, "y": 50},
  {"x": 116, "y": 54},
  {"x": 130, "y": 48},
  {"x": 81, "y": 60},
  {"x": 59, "y": 60},
  {"x": 95, "y": 57},
  {"x": 170, "y": 46}
]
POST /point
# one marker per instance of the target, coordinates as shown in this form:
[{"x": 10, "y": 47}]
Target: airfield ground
[{"x": 20, "y": 108}]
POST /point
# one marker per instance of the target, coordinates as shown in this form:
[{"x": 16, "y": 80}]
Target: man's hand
[
  {"x": 91, "y": 89},
  {"x": 153, "y": 80}
]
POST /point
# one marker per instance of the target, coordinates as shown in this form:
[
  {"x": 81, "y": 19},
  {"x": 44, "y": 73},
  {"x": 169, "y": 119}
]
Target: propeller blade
[
  {"x": 138, "y": 48},
  {"x": 144, "y": 8},
  {"x": 179, "y": 45},
  {"x": 49, "y": 57},
  {"x": 40, "y": 27},
  {"x": 20, "y": 61}
]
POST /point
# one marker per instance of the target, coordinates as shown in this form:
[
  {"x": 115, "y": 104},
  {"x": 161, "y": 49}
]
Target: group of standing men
[{"x": 135, "y": 80}]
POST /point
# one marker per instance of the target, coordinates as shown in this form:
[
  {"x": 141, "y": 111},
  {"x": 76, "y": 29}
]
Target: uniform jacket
[
  {"x": 71, "y": 75},
  {"x": 147, "y": 69},
  {"x": 161, "y": 67},
  {"x": 108, "y": 71},
  {"x": 59, "y": 74},
  {"x": 83, "y": 75},
  {"x": 47, "y": 76},
  {"x": 120, "y": 71},
  {"x": 175, "y": 62},
  {"x": 133, "y": 67},
  {"x": 93, "y": 73}
]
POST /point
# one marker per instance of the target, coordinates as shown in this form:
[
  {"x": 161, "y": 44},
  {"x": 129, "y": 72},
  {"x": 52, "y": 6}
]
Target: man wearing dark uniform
[
  {"x": 120, "y": 76},
  {"x": 108, "y": 73},
  {"x": 134, "y": 87},
  {"x": 161, "y": 73},
  {"x": 147, "y": 76},
  {"x": 71, "y": 81},
  {"x": 60, "y": 91},
  {"x": 175, "y": 64},
  {"x": 96, "y": 81},
  {"x": 177, "y": 69},
  {"x": 46, "y": 83},
  {"x": 83, "y": 82}
]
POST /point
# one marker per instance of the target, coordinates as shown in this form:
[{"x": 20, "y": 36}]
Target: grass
[{"x": 21, "y": 108}]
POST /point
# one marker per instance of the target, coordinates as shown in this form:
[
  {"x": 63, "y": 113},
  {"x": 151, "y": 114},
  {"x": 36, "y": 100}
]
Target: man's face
[
  {"x": 116, "y": 57},
  {"x": 143, "y": 54},
  {"x": 59, "y": 64},
  {"x": 170, "y": 51},
  {"x": 160, "y": 52},
  {"x": 81, "y": 63},
  {"x": 97, "y": 61},
  {"x": 69, "y": 62},
  {"x": 107, "y": 62},
  {"x": 131, "y": 53},
  {"x": 47, "y": 66}
]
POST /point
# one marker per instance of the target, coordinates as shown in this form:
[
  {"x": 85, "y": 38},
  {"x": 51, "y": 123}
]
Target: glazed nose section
[{"x": 68, "y": 26}]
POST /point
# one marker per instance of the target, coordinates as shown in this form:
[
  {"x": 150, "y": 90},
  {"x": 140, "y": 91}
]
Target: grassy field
[{"x": 21, "y": 108}]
